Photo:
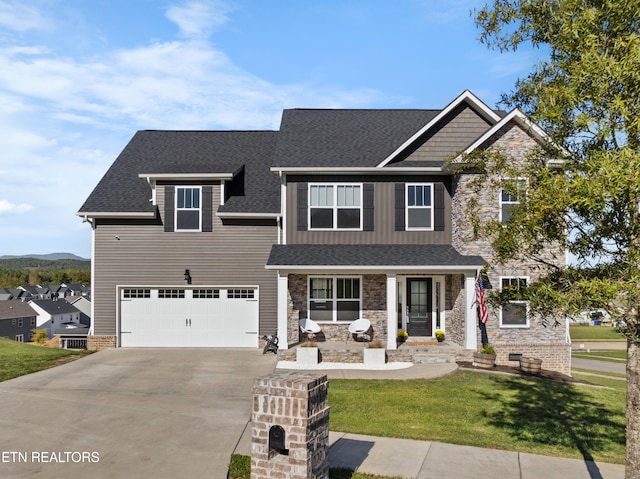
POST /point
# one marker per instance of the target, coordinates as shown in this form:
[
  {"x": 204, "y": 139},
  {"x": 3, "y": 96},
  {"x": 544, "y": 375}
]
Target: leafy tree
[{"x": 586, "y": 94}]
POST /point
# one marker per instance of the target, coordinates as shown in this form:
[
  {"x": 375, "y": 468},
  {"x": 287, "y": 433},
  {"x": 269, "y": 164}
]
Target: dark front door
[{"x": 419, "y": 321}]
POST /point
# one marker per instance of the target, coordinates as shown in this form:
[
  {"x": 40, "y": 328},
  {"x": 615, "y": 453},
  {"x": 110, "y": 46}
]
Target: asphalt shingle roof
[
  {"x": 153, "y": 152},
  {"x": 16, "y": 309},
  {"x": 370, "y": 255},
  {"x": 355, "y": 138},
  {"x": 55, "y": 307}
]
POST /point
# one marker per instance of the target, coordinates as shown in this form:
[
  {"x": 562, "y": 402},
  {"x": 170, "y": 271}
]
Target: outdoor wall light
[{"x": 187, "y": 276}]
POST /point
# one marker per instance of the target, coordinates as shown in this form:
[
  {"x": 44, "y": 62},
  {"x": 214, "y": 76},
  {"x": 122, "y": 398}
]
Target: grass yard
[
  {"x": 595, "y": 333},
  {"x": 18, "y": 359},
  {"x": 487, "y": 410},
  {"x": 614, "y": 356}
]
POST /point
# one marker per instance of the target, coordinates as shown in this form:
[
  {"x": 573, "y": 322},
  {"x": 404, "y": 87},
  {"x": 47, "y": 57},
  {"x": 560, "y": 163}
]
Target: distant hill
[{"x": 50, "y": 256}]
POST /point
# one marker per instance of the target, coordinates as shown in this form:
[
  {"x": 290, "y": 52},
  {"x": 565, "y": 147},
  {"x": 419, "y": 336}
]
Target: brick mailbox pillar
[{"x": 290, "y": 427}]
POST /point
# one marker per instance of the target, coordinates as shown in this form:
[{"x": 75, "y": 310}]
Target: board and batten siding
[
  {"x": 137, "y": 252},
  {"x": 384, "y": 214}
]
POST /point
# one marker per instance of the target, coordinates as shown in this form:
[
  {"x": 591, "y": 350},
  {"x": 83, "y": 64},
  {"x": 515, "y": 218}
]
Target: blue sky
[{"x": 79, "y": 77}]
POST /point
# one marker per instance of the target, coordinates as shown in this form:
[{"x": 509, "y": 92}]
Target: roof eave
[
  {"x": 116, "y": 214},
  {"x": 434, "y": 170},
  {"x": 390, "y": 268},
  {"x": 186, "y": 176}
]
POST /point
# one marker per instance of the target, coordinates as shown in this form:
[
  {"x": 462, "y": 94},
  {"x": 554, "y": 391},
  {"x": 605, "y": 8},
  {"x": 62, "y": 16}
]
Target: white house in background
[{"x": 53, "y": 315}]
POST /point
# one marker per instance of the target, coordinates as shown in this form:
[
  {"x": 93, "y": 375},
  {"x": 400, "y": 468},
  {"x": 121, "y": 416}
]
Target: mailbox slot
[{"x": 277, "y": 441}]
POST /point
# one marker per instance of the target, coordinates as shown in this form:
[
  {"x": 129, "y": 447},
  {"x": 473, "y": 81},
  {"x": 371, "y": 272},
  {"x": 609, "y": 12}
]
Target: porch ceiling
[{"x": 382, "y": 257}]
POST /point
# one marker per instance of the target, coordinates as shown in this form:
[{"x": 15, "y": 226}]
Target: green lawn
[
  {"x": 614, "y": 356},
  {"x": 487, "y": 410},
  {"x": 18, "y": 359},
  {"x": 595, "y": 333}
]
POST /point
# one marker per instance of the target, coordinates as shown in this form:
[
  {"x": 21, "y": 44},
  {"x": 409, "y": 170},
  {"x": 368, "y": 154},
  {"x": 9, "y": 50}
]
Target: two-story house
[
  {"x": 17, "y": 319},
  {"x": 54, "y": 314},
  {"x": 214, "y": 238}
]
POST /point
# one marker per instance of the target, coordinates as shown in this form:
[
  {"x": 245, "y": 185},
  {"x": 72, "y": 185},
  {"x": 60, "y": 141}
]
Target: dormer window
[
  {"x": 188, "y": 211},
  {"x": 335, "y": 206}
]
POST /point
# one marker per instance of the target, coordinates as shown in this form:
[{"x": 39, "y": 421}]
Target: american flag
[{"x": 482, "y": 308}]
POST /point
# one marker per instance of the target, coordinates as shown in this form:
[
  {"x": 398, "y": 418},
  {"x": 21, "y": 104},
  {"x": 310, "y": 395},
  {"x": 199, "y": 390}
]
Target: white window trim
[
  {"x": 334, "y": 319},
  {"x": 407, "y": 207},
  {"x": 526, "y": 303},
  {"x": 176, "y": 210},
  {"x": 334, "y": 206},
  {"x": 502, "y": 203}
]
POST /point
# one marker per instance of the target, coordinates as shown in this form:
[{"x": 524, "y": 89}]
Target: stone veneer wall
[
  {"x": 374, "y": 308},
  {"x": 454, "y": 308},
  {"x": 539, "y": 338},
  {"x": 96, "y": 343}
]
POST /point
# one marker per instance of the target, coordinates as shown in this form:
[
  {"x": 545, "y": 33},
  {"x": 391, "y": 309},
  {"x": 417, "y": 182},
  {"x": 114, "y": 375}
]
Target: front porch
[{"x": 418, "y": 350}]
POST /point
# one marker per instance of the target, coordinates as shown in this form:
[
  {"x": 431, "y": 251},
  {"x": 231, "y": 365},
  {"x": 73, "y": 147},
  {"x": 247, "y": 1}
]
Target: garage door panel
[{"x": 230, "y": 319}]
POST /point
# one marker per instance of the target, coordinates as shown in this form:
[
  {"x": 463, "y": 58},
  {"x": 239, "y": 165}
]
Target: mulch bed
[{"x": 544, "y": 374}]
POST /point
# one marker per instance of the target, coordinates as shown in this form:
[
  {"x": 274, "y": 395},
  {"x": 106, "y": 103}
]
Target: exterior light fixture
[{"x": 187, "y": 276}]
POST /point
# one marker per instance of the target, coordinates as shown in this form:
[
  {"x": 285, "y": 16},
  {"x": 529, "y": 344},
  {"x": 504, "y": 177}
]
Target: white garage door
[{"x": 189, "y": 317}]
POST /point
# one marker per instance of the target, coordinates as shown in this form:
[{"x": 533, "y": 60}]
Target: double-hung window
[
  {"x": 188, "y": 211},
  {"x": 514, "y": 314},
  {"x": 419, "y": 206},
  {"x": 334, "y": 298},
  {"x": 510, "y": 196},
  {"x": 335, "y": 206}
]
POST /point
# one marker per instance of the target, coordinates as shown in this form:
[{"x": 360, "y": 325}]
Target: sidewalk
[{"x": 433, "y": 460}]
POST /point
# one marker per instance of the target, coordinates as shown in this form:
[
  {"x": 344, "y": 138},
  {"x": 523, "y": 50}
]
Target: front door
[{"x": 419, "y": 307}]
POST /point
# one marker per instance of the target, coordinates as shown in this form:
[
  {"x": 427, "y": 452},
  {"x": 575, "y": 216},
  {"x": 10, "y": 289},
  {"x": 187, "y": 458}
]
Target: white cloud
[
  {"x": 8, "y": 207},
  {"x": 198, "y": 19},
  {"x": 18, "y": 17}
]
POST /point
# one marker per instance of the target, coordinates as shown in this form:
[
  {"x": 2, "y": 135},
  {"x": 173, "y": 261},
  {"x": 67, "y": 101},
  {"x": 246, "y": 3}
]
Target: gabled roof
[
  {"x": 122, "y": 191},
  {"x": 16, "y": 309},
  {"x": 55, "y": 307}
]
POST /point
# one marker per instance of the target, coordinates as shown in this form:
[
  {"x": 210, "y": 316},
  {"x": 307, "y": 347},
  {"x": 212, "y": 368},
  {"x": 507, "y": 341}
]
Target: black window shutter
[
  {"x": 207, "y": 209},
  {"x": 302, "y": 206},
  {"x": 169, "y": 205},
  {"x": 367, "y": 203},
  {"x": 438, "y": 210},
  {"x": 400, "y": 207}
]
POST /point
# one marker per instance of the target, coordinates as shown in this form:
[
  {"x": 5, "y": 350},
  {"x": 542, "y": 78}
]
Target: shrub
[{"x": 39, "y": 336}]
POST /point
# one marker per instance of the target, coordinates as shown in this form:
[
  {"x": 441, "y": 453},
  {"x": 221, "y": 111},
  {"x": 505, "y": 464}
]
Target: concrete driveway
[{"x": 161, "y": 413}]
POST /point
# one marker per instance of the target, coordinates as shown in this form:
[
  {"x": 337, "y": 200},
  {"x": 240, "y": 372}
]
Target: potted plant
[
  {"x": 531, "y": 365},
  {"x": 374, "y": 354},
  {"x": 307, "y": 353},
  {"x": 485, "y": 358},
  {"x": 439, "y": 335},
  {"x": 402, "y": 336}
]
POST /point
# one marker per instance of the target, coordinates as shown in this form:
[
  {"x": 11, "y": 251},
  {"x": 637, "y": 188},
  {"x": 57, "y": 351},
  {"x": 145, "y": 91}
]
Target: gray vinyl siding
[
  {"x": 384, "y": 214},
  {"x": 456, "y": 132},
  {"x": 235, "y": 253},
  {"x": 9, "y": 330}
]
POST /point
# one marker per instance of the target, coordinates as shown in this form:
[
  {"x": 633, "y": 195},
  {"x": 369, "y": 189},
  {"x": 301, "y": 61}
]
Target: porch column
[
  {"x": 283, "y": 310},
  {"x": 392, "y": 320},
  {"x": 470, "y": 315}
]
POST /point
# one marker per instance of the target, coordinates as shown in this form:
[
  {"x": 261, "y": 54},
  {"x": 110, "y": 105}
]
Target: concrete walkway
[{"x": 433, "y": 460}]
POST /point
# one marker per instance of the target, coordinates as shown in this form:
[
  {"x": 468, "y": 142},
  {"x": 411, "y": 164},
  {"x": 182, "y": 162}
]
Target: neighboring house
[
  {"x": 84, "y": 305},
  {"x": 37, "y": 292},
  {"x": 214, "y": 238},
  {"x": 53, "y": 314},
  {"x": 75, "y": 289},
  {"x": 17, "y": 319}
]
